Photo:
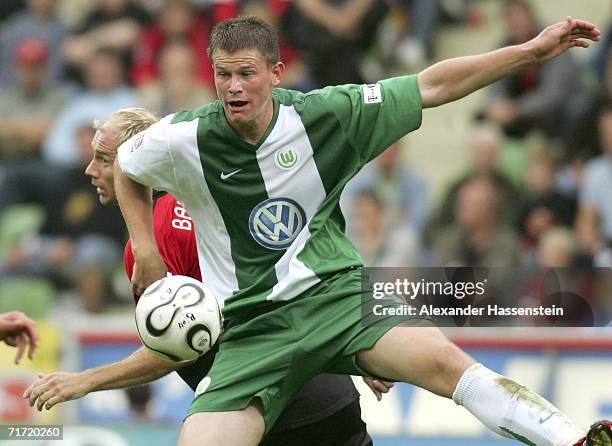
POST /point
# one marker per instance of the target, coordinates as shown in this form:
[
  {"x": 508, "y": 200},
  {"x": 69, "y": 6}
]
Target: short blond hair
[{"x": 130, "y": 121}]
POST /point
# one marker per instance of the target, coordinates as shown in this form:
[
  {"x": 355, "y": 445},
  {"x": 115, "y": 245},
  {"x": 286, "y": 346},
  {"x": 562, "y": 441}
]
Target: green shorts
[{"x": 272, "y": 355}]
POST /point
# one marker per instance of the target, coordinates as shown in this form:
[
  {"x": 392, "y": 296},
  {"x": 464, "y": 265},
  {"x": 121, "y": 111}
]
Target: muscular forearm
[
  {"x": 139, "y": 368},
  {"x": 453, "y": 79},
  {"x": 135, "y": 203}
]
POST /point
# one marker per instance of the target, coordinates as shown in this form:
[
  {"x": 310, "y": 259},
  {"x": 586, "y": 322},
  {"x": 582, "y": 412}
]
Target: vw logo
[{"x": 276, "y": 222}]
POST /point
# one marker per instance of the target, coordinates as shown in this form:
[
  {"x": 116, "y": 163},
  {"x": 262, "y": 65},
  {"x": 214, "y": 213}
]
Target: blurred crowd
[{"x": 65, "y": 63}]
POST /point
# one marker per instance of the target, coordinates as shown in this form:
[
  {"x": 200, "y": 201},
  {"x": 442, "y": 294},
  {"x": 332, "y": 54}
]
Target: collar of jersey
[{"x": 253, "y": 147}]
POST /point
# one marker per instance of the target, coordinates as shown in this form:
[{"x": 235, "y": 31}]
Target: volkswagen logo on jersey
[{"x": 276, "y": 222}]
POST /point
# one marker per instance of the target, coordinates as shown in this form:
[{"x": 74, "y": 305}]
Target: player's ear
[{"x": 278, "y": 69}]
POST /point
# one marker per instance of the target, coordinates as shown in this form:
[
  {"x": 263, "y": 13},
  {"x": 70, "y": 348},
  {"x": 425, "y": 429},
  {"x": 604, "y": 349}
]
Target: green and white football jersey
[{"x": 268, "y": 223}]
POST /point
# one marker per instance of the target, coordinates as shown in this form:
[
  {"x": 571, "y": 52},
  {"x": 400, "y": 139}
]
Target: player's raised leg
[
  {"x": 243, "y": 427},
  {"x": 428, "y": 359},
  {"x": 424, "y": 357}
]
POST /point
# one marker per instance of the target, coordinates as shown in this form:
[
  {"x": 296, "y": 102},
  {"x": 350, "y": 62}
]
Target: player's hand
[
  {"x": 53, "y": 388},
  {"x": 18, "y": 330},
  {"x": 561, "y": 36},
  {"x": 147, "y": 269},
  {"x": 378, "y": 386}
]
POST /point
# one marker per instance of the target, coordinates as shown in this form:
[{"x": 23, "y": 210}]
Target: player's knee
[{"x": 448, "y": 363}]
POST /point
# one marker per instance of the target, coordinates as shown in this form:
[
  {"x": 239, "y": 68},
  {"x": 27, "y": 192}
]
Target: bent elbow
[{"x": 431, "y": 96}]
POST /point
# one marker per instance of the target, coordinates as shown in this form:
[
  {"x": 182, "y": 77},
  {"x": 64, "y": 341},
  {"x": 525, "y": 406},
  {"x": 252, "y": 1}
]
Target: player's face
[
  {"x": 244, "y": 82},
  {"x": 100, "y": 168}
]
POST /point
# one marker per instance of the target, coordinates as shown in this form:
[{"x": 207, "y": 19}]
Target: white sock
[{"x": 512, "y": 410}]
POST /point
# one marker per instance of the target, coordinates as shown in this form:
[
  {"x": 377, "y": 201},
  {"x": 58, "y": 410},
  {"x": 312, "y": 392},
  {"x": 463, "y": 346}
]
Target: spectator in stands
[
  {"x": 333, "y": 36},
  {"x": 401, "y": 190},
  {"x": 177, "y": 21},
  {"x": 26, "y": 111},
  {"x": 112, "y": 24},
  {"x": 594, "y": 221},
  {"x": 479, "y": 237},
  {"x": 39, "y": 22},
  {"x": 177, "y": 87},
  {"x": 540, "y": 97},
  {"x": 79, "y": 244},
  {"x": 105, "y": 93},
  {"x": 18, "y": 330},
  {"x": 544, "y": 206},
  {"x": 380, "y": 241},
  {"x": 555, "y": 280},
  {"x": 557, "y": 248},
  {"x": 415, "y": 45},
  {"x": 484, "y": 150}
]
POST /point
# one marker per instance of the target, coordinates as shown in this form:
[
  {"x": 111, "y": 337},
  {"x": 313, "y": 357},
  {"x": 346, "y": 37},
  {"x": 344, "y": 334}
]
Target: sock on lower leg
[{"x": 512, "y": 410}]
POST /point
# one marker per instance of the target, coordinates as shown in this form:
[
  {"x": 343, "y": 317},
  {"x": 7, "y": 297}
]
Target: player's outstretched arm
[
  {"x": 453, "y": 79},
  {"x": 18, "y": 330},
  {"x": 140, "y": 367},
  {"x": 135, "y": 203}
]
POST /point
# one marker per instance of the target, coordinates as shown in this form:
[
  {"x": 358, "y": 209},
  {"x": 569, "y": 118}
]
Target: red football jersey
[{"x": 175, "y": 238}]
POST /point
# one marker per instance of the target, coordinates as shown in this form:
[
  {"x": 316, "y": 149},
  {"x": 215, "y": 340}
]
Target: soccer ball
[{"x": 178, "y": 318}]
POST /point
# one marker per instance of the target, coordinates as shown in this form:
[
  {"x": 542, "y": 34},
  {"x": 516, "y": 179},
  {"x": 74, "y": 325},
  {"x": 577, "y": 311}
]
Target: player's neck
[{"x": 253, "y": 130}]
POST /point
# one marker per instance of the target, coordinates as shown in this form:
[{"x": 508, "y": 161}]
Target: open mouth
[{"x": 237, "y": 105}]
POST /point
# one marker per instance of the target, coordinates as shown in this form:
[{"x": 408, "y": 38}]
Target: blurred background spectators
[
  {"x": 105, "y": 91},
  {"x": 545, "y": 97},
  {"x": 39, "y": 21},
  {"x": 78, "y": 246},
  {"x": 112, "y": 24},
  {"x": 483, "y": 161},
  {"x": 594, "y": 223},
  {"x": 478, "y": 236},
  {"x": 332, "y": 36},
  {"x": 30, "y": 105},
  {"x": 176, "y": 86}
]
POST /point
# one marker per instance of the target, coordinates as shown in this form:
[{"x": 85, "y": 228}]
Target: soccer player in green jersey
[{"x": 262, "y": 169}]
